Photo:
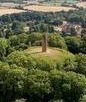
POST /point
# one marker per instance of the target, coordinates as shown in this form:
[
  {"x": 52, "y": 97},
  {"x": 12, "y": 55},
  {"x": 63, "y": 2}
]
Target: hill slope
[{"x": 33, "y": 57}]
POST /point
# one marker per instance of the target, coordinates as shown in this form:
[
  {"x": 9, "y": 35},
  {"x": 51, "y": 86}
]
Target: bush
[
  {"x": 81, "y": 64},
  {"x": 11, "y": 82},
  {"x": 21, "y": 59},
  {"x": 4, "y": 44},
  {"x": 37, "y": 86},
  {"x": 23, "y": 38},
  {"x": 18, "y": 42},
  {"x": 17, "y": 27},
  {"x": 83, "y": 45},
  {"x": 14, "y": 41},
  {"x": 70, "y": 64},
  {"x": 55, "y": 40},
  {"x": 68, "y": 86},
  {"x": 34, "y": 37},
  {"x": 73, "y": 44}
]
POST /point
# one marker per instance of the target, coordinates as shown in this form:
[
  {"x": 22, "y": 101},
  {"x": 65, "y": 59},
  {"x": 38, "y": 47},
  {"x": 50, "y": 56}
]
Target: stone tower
[{"x": 44, "y": 42}]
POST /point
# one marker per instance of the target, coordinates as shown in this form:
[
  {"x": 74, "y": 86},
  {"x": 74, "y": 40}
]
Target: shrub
[
  {"x": 37, "y": 86},
  {"x": 73, "y": 44},
  {"x": 81, "y": 64},
  {"x": 68, "y": 86},
  {"x": 55, "y": 40},
  {"x": 14, "y": 41},
  {"x": 21, "y": 59},
  {"x": 4, "y": 44},
  {"x": 11, "y": 82},
  {"x": 83, "y": 45},
  {"x": 34, "y": 37}
]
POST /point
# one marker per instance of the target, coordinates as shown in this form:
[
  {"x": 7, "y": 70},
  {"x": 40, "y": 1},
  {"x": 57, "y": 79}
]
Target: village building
[{"x": 69, "y": 28}]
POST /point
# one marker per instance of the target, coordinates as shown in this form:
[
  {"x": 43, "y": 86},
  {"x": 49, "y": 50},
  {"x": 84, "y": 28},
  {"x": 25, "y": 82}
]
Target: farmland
[
  {"x": 9, "y": 8},
  {"x": 81, "y": 4},
  {"x": 39, "y": 8},
  {"x": 5, "y": 10},
  {"x": 45, "y": 8}
]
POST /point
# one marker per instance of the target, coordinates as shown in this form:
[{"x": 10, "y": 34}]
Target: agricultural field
[
  {"x": 51, "y": 6},
  {"x": 5, "y": 10},
  {"x": 81, "y": 4},
  {"x": 45, "y": 8}
]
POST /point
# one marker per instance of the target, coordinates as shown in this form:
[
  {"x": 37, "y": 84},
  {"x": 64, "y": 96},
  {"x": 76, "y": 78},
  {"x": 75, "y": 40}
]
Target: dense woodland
[{"x": 41, "y": 79}]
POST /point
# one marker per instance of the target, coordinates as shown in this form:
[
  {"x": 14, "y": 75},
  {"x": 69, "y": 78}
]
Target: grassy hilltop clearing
[{"x": 54, "y": 58}]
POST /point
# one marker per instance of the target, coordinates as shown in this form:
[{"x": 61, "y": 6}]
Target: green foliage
[
  {"x": 70, "y": 64},
  {"x": 11, "y": 82},
  {"x": 17, "y": 27},
  {"x": 37, "y": 85},
  {"x": 42, "y": 28},
  {"x": 14, "y": 41},
  {"x": 21, "y": 59},
  {"x": 55, "y": 40},
  {"x": 23, "y": 38},
  {"x": 18, "y": 42},
  {"x": 68, "y": 86},
  {"x": 83, "y": 45},
  {"x": 73, "y": 43},
  {"x": 36, "y": 76},
  {"x": 4, "y": 44},
  {"x": 34, "y": 38},
  {"x": 81, "y": 64}
]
